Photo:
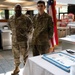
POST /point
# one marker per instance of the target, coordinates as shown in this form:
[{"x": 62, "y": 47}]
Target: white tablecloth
[
  {"x": 69, "y": 38},
  {"x": 38, "y": 66},
  {"x": 68, "y": 42}
]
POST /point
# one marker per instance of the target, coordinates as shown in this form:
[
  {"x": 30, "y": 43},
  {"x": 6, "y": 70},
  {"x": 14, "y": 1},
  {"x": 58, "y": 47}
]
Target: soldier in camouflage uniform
[
  {"x": 43, "y": 31},
  {"x": 21, "y": 26}
]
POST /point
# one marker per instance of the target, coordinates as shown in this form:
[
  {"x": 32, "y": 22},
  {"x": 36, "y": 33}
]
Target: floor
[{"x": 7, "y": 64}]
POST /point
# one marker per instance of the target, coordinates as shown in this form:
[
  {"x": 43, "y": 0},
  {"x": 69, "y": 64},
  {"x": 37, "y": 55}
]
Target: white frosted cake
[{"x": 60, "y": 59}]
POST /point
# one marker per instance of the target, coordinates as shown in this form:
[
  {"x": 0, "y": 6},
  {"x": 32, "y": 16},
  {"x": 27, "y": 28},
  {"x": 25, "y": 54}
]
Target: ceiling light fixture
[
  {"x": 3, "y": 5},
  {"x": 16, "y": 1}
]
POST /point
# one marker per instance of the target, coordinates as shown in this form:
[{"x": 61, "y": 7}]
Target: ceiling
[
  {"x": 26, "y": 4},
  {"x": 8, "y": 4}
]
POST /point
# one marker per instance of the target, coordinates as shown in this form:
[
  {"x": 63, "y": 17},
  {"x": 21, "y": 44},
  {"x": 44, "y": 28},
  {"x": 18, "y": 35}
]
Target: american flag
[{"x": 52, "y": 12}]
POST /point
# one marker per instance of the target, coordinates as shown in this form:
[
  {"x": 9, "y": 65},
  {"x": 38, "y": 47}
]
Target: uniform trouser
[
  {"x": 17, "y": 49},
  {"x": 40, "y": 49}
]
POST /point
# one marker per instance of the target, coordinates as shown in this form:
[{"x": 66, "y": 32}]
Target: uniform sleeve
[
  {"x": 50, "y": 28},
  {"x": 9, "y": 24},
  {"x": 30, "y": 26},
  {"x": 33, "y": 23}
]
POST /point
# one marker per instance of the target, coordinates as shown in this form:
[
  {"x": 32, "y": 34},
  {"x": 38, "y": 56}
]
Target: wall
[
  {"x": 66, "y": 1},
  {"x": 3, "y": 23}
]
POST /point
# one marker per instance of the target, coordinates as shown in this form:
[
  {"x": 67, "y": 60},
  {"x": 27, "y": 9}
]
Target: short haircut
[{"x": 41, "y": 2}]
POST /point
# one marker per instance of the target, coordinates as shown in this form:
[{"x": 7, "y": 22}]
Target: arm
[
  {"x": 9, "y": 24},
  {"x": 34, "y": 22},
  {"x": 29, "y": 25},
  {"x": 50, "y": 28}
]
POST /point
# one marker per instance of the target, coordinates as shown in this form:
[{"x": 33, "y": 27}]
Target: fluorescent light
[
  {"x": 16, "y": 1},
  {"x": 3, "y": 5}
]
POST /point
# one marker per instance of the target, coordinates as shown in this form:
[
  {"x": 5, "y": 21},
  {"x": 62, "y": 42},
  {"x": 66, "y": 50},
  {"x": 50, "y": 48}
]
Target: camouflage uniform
[
  {"x": 20, "y": 27},
  {"x": 43, "y": 32}
]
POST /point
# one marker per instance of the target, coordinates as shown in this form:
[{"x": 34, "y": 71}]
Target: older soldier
[
  {"x": 43, "y": 31},
  {"x": 20, "y": 26}
]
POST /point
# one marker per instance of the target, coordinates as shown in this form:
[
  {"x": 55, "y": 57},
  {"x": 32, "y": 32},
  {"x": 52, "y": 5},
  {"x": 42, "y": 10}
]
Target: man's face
[
  {"x": 40, "y": 7},
  {"x": 18, "y": 9}
]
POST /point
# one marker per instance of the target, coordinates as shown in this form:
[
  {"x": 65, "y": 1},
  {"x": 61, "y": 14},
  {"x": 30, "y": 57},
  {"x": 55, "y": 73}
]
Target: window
[
  {"x": 11, "y": 12},
  {"x": 61, "y": 11},
  {"x": 2, "y": 14},
  {"x": 35, "y": 12}
]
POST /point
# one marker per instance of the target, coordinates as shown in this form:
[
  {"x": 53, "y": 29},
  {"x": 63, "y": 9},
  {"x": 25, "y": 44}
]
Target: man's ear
[{"x": 45, "y": 7}]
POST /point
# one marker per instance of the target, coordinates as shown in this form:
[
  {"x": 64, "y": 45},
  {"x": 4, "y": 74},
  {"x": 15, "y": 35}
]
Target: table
[
  {"x": 38, "y": 66},
  {"x": 68, "y": 42}
]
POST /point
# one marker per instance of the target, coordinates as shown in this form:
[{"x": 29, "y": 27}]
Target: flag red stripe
[
  {"x": 55, "y": 25},
  {"x": 55, "y": 22},
  {"x": 52, "y": 42}
]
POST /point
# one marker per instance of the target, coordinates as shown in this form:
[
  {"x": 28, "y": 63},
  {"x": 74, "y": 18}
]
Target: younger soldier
[
  {"x": 43, "y": 31},
  {"x": 20, "y": 26}
]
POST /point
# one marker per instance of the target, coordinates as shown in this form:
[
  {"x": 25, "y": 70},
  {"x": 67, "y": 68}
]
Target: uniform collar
[
  {"x": 41, "y": 16},
  {"x": 18, "y": 17}
]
